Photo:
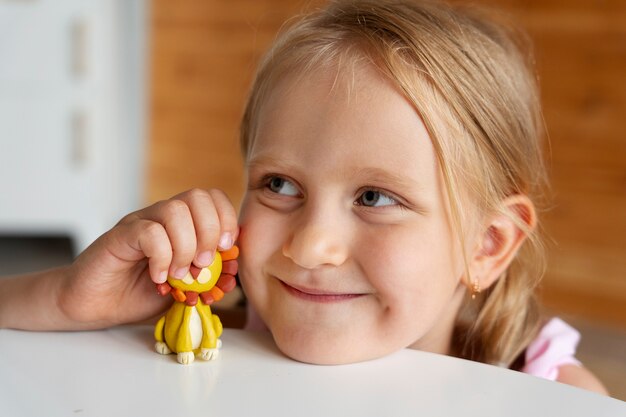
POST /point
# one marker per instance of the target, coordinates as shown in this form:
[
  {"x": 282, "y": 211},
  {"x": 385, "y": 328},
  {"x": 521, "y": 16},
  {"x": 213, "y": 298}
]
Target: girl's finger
[
  {"x": 228, "y": 219},
  {"x": 175, "y": 217},
  {"x": 151, "y": 240},
  {"x": 206, "y": 222}
]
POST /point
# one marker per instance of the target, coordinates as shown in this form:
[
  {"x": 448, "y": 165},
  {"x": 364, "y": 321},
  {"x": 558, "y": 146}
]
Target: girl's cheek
[
  {"x": 251, "y": 233},
  {"x": 246, "y": 225},
  {"x": 257, "y": 238}
]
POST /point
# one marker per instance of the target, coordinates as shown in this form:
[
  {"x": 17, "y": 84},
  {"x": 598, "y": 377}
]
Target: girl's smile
[
  {"x": 345, "y": 237},
  {"x": 318, "y": 295}
]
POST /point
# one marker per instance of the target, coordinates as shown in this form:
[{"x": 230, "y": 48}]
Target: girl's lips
[{"x": 319, "y": 296}]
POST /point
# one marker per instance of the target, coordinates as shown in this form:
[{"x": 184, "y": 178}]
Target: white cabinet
[{"x": 72, "y": 115}]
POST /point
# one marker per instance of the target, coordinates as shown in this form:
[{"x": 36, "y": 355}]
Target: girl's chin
[{"x": 321, "y": 350}]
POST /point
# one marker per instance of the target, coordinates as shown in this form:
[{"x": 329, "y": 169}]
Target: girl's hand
[{"x": 113, "y": 280}]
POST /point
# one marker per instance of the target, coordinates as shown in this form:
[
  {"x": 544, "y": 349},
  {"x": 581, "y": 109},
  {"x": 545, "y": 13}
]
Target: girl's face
[{"x": 347, "y": 249}]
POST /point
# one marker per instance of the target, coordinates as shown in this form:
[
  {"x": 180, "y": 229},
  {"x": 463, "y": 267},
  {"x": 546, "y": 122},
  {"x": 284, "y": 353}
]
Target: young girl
[{"x": 394, "y": 171}]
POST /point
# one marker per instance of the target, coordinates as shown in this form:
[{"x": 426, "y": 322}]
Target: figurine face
[
  {"x": 347, "y": 249},
  {"x": 199, "y": 280}
]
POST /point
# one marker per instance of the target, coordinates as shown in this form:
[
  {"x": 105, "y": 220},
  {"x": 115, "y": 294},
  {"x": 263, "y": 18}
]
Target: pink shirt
[{"x": 554, "y": 346}]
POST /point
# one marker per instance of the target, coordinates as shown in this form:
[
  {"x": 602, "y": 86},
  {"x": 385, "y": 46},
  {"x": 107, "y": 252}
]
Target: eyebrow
[
  {"x": 378, "y": 175},
  {"x": 271, "y": 161}
]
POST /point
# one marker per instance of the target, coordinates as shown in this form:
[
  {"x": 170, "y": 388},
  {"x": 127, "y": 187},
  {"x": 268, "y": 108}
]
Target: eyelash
[
  {"x": 383, "y": 193},
  {"x": 268, "y": 179}
]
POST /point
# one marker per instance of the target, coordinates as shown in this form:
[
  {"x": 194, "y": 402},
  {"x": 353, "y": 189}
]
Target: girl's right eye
[{"x": 282, "y": 186}]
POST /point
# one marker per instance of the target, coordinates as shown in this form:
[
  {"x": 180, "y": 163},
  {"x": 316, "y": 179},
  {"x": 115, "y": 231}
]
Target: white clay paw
[
  {"x": 162, "y": 348},
  {"x": 185, "y": 357},
  {"x": 209, "y": 354}
]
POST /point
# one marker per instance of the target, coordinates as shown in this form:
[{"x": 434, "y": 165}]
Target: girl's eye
[
  {"x": 282, "y": 186},
  {"x": 373, "y": 198}
]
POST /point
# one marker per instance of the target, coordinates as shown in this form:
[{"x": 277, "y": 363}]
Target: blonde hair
[{"x": 471, "y": 82}]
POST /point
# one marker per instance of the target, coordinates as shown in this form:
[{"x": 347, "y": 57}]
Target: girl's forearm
[{"x": 30, "y": 302}]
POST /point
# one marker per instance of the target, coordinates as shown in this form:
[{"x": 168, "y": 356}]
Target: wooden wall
[{"x": 204, "y": 53}]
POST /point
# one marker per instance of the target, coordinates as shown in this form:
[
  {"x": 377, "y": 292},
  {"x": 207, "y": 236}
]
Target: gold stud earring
[{"x": 475, "y": 289}]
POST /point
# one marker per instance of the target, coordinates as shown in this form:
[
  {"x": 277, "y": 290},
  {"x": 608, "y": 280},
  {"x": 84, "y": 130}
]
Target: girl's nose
[{"x": 317, "y": 243}]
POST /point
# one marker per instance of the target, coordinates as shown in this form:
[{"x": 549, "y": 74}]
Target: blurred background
[{"x": 109, "y": 105}]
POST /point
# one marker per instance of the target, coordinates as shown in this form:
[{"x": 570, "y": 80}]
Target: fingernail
[
  {"x": 205, "y": 258},
  {"x": 181, "y": 272},
  {"x": 226, "y": 241},
  {"x": 162, "y": 277}
]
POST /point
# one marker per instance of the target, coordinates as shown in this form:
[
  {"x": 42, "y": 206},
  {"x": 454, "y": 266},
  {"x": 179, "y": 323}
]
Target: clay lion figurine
[{"x": 189, "y": 328}]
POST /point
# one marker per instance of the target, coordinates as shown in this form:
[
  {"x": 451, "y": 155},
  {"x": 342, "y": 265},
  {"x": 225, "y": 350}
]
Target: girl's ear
[{"x": 500, "y": 240}]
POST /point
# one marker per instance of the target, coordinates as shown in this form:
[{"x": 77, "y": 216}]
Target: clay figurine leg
[
  {"x": 185, "y": 357},
  {"x": 159, "y": 336},
  {"x": 211, "y": 354},
  {"x": 162, "y": 348}
]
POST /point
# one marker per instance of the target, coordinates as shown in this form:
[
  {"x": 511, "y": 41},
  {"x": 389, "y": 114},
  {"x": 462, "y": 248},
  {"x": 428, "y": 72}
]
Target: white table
[{"x": 115, "y": 372}]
